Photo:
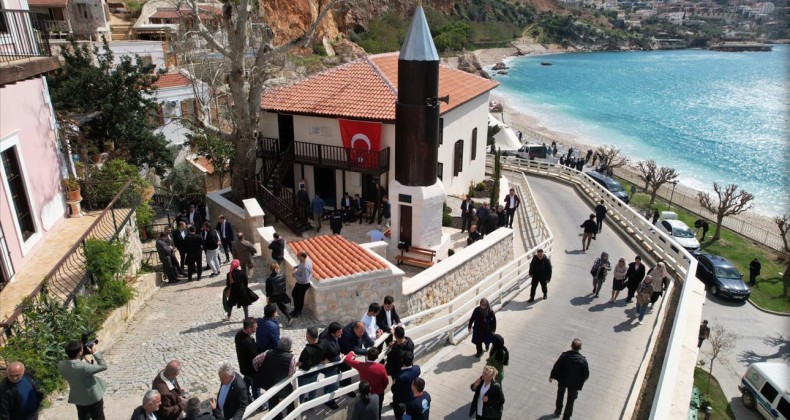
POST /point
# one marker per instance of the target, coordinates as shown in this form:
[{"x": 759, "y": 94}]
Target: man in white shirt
[
  {"x": 388, "y": 318},
  {"x": 371, "y": 327},
  {"x": 376, "y": 235}
]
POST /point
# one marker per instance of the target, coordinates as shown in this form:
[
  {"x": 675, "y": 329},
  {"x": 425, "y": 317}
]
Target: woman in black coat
[
  {"x": 276, "y": 290},
  {"x": 489, "y": 399},
  {"x": 483, "y": 326},
  {"x": 239, "y": 294}
]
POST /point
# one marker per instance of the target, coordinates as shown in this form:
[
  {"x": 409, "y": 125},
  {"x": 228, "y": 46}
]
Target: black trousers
[
  {"x": 94, "y": 411},
  {"x": 466, "y": 221},
  {"x": 278, "y": 300},
  {"x": 510, "y": 214},
  {"x": 599, "y": 222},
  {"x": 167, "y": 267},
  {"x": 182, "y": 258},
  {"x": 631, "y": 290},
  {"x": 227, "y": 246},
  {"x": 194, "y": 265},
  {"x": 298, "y": 295},
  {"x": 535, "y": 283},
  {"x": 175, "y": 264},
  {"x": 572, "y": 394}
]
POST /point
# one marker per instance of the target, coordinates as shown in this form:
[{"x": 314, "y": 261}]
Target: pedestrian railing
[
  {"x": 679, "y": 360},
  {"x": 429, "y": 328}
]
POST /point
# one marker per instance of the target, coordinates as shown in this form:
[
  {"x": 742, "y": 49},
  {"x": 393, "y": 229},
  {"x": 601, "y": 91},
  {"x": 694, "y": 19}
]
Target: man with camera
[{"x": 86, "y": 391}]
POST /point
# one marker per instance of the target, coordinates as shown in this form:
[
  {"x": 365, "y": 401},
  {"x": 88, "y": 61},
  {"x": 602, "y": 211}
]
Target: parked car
[
  {"x": 723, "y": 278},
  {"x": 679, "y": 231},
  {"x": 610, "y": 184},
  {"x": 765, "y": 387}
]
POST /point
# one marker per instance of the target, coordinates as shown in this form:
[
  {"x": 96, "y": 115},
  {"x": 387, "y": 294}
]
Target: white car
[{"x": 679, "y": 231}]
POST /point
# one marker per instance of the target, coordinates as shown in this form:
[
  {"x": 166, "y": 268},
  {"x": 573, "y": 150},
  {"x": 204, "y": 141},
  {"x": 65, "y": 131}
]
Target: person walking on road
[
  {"x": 571, "y": 371},
  {"x": 600, "y": 216},
  {"x": 489, "y": 400},
  {"x": 754, "y": 271},
  {"x": 618, "y": 284},
  {"x": 498, "y": 357},
  {"x": 646, "y": 289},
  {"x": 317, "y": 208},
  {"x": 511, "y": 204},
  {"x": 239, "y": 293},
  {"x": 633, "y": 277},
  {"x": 540, "y": 271},
  {"x": 599, "y": 269},
  {"x": 483, "y": 326},
  {"x": 704, "y": 333},
  {"x": 590, "y": 228},
  {"x": 276, "y": 290}
]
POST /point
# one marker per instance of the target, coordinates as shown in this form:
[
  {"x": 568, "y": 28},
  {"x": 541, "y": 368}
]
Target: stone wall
[
  {"x": 134, "y": 248},
  {"x": 144, "y": 286},
  {"x": 217, "y": 204},
  {"x": 456, "y": 274}
]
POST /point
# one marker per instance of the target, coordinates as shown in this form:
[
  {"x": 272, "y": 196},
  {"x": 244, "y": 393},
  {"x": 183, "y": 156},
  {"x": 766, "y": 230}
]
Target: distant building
[
  {"x": 81, "y": 19},
  {"x": 179, "y": 100},
  {"x": 159, "y": 18},
  {"x": 766, "y": 8}
]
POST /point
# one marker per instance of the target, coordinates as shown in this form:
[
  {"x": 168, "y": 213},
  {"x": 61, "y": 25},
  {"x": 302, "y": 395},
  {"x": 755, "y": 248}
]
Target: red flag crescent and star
[{"x": 364, "y": 140}]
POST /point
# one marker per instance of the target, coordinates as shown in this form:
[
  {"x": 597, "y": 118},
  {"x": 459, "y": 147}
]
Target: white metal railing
[
  {"x": 427, "y": 328},
  {"x": 677, "y": 369}
]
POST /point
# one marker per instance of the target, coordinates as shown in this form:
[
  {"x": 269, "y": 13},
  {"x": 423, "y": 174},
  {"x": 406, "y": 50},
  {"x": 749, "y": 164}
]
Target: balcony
[
  {"x": 24, "y": 46},
  {"x": 347, "y": 159}
]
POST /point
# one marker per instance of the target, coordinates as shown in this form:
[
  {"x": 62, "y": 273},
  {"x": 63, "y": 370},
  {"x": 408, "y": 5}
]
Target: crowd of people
[{"x": 483, "y": 219}]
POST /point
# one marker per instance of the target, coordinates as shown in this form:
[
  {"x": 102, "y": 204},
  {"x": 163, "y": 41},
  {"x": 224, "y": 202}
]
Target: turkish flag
[{"x": 363, "y": 142}]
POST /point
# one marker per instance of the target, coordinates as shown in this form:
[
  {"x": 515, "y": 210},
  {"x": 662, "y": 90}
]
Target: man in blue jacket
[
  {"x": 317, "y": 207},
  {"x": 355, "y": 338},
  {"x": 267, "y": 336}
]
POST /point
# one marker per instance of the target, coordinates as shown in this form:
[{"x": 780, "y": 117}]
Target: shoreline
[{"x": 536, "y": 129}]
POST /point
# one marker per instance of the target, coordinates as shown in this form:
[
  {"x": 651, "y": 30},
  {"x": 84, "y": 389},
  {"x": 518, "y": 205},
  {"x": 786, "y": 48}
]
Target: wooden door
[{"x": 405, "y": 225}]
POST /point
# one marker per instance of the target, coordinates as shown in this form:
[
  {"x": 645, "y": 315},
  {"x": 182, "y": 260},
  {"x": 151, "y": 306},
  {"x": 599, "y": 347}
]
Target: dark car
[
  {"x": 723, "y": 278},
  {"x": 610, "y": 184}
]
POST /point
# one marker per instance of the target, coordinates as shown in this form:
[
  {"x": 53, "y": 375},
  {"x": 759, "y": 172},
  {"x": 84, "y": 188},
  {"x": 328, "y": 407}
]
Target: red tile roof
[
  {"x": 366, "y": 89},
  {"x": 207, "y": 164},
  {"x": 172, "y": 80},
  {"x": 335, "y": 256},
  {"x": 48, "y": 3}
]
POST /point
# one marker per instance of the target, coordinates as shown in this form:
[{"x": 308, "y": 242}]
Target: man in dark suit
[
  {"x": 193, "y": 217},
  {"x": 225, "y": 230},
  {"x": 511, "y": 204},
  {"x": 634, "y": 276},
  {"x": 165, "y": 251},
  {"x": 179, "y": 240},
  {"x": 570, "y": 371},
  {"x": 232, "y": 398},
  {"x": 246, "y": 350},
  {"x": 345, "y": 205},
  {"x": 467, "y": 214},
  {"x": 303, "y": 199},
  {"x": 193, "y": 246},
  {"x": 388, "y": 318},
  {"x": 401, "y": 387}
]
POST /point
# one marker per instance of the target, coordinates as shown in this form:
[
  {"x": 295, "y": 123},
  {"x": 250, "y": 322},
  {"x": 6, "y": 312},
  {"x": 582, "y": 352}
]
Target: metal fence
[
  {"x": 24, "y": 35},
  {"x": 70, "y": 275}
]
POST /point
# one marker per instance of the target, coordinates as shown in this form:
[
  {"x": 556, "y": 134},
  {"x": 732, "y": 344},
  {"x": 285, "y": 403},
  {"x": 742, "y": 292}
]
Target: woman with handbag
[
  {"x": 646, "y": 289},
  {"x": 239, "y": 294},
  {"x": 276, "y": 290},
  {"x": 483, "y": 326},
  {"x": 619, "y": 278},
  {"x": 489, "y": 399}
]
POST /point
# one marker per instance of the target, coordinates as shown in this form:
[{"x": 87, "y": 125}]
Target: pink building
[{"x": 31, "y": 200}]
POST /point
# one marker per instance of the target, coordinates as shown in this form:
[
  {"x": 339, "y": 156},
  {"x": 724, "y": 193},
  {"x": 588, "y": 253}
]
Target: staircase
[
  {"x": 120, "y": 31},
  {"x": 280, "y": 201}
]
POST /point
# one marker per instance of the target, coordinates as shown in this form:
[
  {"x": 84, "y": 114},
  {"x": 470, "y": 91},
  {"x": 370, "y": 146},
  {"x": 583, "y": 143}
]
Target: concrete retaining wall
[{"x": 144, "y": 286}]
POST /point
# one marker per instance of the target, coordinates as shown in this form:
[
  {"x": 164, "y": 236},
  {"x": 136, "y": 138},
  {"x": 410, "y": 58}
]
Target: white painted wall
[
  {"x": 152, "y": 49},
  {"x": 173, "y": 130}
]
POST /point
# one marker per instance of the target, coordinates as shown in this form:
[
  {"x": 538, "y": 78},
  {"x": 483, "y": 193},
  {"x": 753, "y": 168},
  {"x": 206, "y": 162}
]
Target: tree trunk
[
  {"x": 243, "y": 166},
  {"x": 717, "y": 232},
  {"x": 710, "y": 375},
  {"x": 653, "y": 196}
]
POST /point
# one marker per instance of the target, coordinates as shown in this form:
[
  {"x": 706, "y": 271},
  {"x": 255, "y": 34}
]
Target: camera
[{"x": 88, "y": 341}]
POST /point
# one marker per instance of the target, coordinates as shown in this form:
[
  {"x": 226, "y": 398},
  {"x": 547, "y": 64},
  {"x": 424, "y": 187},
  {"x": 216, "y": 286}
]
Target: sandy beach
[{"x": 537, "y": 132}]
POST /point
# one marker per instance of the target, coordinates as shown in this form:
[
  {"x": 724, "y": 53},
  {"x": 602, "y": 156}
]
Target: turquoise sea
[{"x": 713, "y": 116}]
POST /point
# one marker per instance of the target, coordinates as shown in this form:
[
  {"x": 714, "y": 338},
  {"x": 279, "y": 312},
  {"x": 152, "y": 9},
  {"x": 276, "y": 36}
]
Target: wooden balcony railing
[{"x": 367, "y": 161}]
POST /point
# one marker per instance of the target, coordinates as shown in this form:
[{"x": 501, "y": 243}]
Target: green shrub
[
  {"x": 447, "y": 218},
  {"x": 471, "y": 191},
  {"x": 105, "y": 260},
  {"x": 145, "y": 220},
  {"x": 100, "y": 194},
  {"x": 113, "y": 294},
  {"x": 481, "y": 186}
]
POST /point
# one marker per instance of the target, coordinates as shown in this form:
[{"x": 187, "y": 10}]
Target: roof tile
[
  {"x": 366, "y": 89},
  {"x": 335, "y": 256},
  {"x": 172, "y": 80}
]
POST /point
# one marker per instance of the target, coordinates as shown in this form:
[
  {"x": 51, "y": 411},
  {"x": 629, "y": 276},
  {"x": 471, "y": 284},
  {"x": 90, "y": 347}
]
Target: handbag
[{"x": 252, "y": 296}]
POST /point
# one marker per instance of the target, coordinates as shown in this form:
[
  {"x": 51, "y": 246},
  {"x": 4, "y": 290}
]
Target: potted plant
[
  {"x": 72, "y": 189},
  {"x": 79, "y": 167},
  {"x": 93, "y": 152}
]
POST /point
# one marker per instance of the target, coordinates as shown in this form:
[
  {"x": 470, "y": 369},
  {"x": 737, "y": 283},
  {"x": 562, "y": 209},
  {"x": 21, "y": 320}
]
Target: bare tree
[
  {"x": 721, "y": 342},
  {"x": 611, "y": 157},
  {"x": 783, "y": 223},
  {"x": 655, "y": 176},
  {"x": 731, "y": 202},
  {"x": 241, "y": 49}
]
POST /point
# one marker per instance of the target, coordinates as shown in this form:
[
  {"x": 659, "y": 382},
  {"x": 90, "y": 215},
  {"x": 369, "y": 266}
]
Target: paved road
[
  {"x": 536, "y": 333},
  {"x": 762, "y": 337}
]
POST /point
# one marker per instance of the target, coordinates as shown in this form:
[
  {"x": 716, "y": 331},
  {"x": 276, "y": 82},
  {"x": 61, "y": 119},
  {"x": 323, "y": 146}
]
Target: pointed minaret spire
[{"x": 418, "y": 45}]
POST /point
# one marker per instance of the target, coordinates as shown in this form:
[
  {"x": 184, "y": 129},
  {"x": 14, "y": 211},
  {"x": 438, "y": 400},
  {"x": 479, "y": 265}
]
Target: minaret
[{"x": 416, "y": 195}]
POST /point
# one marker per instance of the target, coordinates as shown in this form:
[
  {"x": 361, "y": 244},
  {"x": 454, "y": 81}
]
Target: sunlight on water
[{"x": 713, "y": 116}]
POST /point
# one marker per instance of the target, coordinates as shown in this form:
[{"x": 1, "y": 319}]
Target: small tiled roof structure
[
  {"x": 366, "y": 89},
  {"x": 335, "y": 256},
  {"x": 206, "y": 164},
  {"x": 170, "y": 80}
]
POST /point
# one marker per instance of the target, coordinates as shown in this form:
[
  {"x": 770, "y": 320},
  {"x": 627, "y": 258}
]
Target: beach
[{"x": 536, "y": 131}]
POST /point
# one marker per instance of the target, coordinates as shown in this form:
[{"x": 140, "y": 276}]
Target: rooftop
[
  {"x": 48, "y": 3},
  {"x": 367, "y": 89},
  {"x": 170, "y": 80},
  {"x": 173, "y": 13},
  {"x": 335, "y": 256}
]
